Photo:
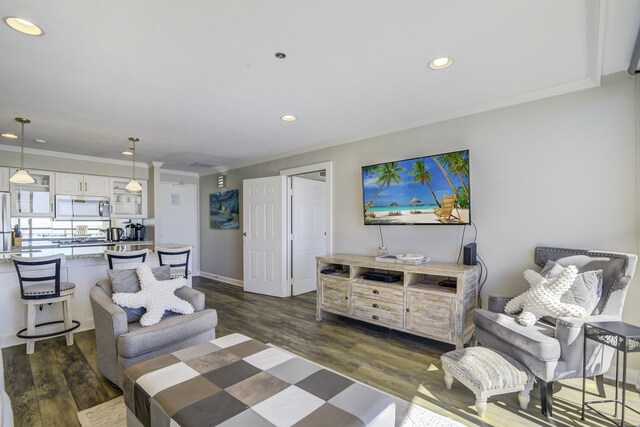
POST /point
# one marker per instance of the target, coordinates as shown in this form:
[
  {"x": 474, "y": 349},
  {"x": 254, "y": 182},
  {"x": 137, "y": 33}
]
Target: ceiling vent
[{"x": 203, "y": 165}]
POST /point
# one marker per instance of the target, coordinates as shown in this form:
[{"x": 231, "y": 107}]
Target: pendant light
[
  {"x": 22, "y": 176},
  {"x": 133, "y": 185}
]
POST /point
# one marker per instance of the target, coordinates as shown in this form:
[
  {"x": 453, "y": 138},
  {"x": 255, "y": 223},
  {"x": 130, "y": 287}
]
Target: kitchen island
[{"x": 85, "y": 265}]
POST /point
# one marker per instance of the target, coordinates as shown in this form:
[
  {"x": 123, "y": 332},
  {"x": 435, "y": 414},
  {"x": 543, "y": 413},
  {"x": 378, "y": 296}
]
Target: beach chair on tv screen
[{"x": 445, "y": 212}]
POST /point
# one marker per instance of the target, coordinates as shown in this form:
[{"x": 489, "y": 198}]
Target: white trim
[
  {"x": 596, "y": 15},
  {"x": 586, "y": 83},
  {"x": 224, "y": 279},
  {"x": 175, "y": 172},
  {"x": 328, "y": 167},
  {"x": 70, "y": 156}
]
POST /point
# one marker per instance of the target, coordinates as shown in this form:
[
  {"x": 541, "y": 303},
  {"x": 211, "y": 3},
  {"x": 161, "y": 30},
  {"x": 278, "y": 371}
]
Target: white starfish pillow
[
  {"x": 543, "y": 298},
  {"x": 155, "y": 295}
]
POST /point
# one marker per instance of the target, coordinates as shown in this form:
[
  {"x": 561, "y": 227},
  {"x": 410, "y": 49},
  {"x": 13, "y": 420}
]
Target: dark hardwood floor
[{"x": 50, "y": 386}]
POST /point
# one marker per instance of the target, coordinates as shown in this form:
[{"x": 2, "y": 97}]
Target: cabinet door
[
  {"x": 33, "y": 200},
  {"x": 335, "y": 294},
  {"x": 430, "y": 314},
  {"x": 126, "y": 204},
  {"x": 4, "y": 179},
  {"x": 70, "y": 184},
  {"x": 96, "y": 186}
]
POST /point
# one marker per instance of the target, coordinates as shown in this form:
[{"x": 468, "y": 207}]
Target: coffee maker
[{"x": 134, "y": 232}]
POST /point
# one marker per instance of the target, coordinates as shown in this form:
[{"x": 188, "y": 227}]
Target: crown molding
[
  {"x": 586, "y": 83},
  {"x": 69, "y": 156}
]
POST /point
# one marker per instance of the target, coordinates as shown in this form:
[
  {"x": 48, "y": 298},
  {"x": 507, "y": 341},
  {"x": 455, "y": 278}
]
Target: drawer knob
[
  {"x": 375, "y": 291},
  {"x": 346, "y": 297},
  {"x": 375, "y": 306},
  {"x": 374, "y": 317}
]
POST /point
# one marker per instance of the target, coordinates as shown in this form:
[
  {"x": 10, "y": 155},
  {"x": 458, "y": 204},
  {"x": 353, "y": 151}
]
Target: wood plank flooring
[{"x": 50, "y": 386}]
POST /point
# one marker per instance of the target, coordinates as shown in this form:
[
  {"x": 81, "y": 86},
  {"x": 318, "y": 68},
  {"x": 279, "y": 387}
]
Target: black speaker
[{"x": 470, "y": 254}]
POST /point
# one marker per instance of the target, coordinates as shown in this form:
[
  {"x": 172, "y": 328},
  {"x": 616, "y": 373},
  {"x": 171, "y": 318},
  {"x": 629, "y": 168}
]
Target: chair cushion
[
  {"x": 585, "y": 291},
  {"x": 537, "y": 340},
  {"x": 48, "y": 289},
  {"x": 171, "y": 329}
]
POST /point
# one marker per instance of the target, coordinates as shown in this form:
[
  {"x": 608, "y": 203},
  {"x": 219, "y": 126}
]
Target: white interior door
[
  {"x": 307, "y": 232},
  {"x": 179, "y": 217},
  {"x": 264, "y": 236}
]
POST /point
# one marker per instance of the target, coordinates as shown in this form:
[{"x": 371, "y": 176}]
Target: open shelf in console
[
  {"x": 359, "y": 272},
  {"x": 429, "y": 282},
  {"x": 334, "y": 269}
]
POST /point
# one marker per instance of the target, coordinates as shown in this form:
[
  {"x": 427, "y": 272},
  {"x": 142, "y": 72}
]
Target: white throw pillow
[
  {"x": 543, "y": 298},
  {"x": 155, "y": 295}
]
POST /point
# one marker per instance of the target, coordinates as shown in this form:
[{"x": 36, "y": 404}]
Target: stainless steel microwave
[{"x": 82, "y": 208}]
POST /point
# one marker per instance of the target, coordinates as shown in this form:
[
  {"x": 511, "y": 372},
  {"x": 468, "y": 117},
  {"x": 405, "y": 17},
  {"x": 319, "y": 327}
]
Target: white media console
[{"x": 416, "y": 304}]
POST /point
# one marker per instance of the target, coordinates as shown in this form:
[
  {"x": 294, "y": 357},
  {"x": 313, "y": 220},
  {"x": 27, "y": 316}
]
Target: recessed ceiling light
[
  {"x": 440, "y": 63},
  {"x": 9, "y": 135},
  {"x": 280, "y": 55},
  {"x": 23, "y": 26},
  {"x": 288, "y": 117},
  {"x": 41, "y": 141},
  {"x": 128, "y": 153}
]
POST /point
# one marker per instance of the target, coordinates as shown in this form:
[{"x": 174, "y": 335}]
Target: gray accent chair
[
  {"x": 120, "y": 344},
  {"x": 554, "y": 352}
]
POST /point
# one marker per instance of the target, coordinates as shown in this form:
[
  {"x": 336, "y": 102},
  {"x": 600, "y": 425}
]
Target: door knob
[{"x": 244, "y": 234}]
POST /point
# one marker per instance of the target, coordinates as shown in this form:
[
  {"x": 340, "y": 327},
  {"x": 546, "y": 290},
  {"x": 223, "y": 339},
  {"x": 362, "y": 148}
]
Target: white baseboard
[
  {"x": 220, "y": 278},
  {"x": 633, "y": 375}
]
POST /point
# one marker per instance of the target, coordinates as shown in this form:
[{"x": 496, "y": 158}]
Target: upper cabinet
[
  {"x": 127, "y": 204},
  {"x": 82, "y": 185},
  {"x": 4, "y": 179},
  {"x": 33, "y": 200}
]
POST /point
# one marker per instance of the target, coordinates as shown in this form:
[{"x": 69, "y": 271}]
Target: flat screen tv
[{"x": 424, "y": 190}]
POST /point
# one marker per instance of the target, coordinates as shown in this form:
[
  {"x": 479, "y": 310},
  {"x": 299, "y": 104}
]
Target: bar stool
[
  {"x": 40, "y": 284},
  {"x": 177, "y": 259},
  {"x": 124, "y": 260}
]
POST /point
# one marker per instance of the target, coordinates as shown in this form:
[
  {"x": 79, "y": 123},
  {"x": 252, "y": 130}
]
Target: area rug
[{"x": 114, "y": 414}]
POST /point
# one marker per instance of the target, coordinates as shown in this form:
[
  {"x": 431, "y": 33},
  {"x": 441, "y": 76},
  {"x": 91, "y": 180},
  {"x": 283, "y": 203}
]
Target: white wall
[{"x": 560, "y": 172}]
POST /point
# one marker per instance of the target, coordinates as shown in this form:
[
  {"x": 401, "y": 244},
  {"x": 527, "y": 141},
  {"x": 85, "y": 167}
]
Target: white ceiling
[{"x": 197, "y": 81}]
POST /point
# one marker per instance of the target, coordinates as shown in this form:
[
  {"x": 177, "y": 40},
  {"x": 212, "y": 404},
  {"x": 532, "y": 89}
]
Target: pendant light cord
[
  {"x": 22, "y": 147},
  {"x": 133, "y": 163}
]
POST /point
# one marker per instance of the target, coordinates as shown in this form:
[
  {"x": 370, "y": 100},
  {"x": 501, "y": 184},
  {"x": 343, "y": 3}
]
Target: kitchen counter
[
  {"x": 71, "y": 250},
  {"x": 85, "y": 266}
]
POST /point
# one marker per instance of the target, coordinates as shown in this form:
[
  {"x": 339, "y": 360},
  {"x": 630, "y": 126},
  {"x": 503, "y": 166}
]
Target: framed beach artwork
[
  {"x": 424, "y": 190},
  {"x": 224, "y": 212}
]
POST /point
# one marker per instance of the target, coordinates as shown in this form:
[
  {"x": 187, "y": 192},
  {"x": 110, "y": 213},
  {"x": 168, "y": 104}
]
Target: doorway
[{"x": 275, "y": 264}]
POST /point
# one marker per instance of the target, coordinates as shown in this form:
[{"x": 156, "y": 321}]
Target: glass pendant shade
[
  {"x": 22, "y": 176},
  {"x": 133, "y": 185}
]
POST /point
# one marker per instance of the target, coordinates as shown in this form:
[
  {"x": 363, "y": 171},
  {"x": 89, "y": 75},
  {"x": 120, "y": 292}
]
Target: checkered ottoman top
[{"x": 237, "y": 381}]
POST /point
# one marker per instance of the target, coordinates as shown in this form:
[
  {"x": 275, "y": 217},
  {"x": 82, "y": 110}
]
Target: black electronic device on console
[
  {"x": 470, "y": 254},
  {"x": 382, "y": 277},
  {"x": 448, "y": 283}
]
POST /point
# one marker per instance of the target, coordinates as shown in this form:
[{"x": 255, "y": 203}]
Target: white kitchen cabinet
[
  {"x": 128, "y": 204},
  {"x": 82, "y": 185},
  {"x": 4, "y": 179},
  {"x": 33, "y": 200}
]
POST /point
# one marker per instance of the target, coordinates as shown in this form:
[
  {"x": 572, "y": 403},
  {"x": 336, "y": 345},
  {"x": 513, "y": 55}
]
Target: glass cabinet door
[
  {"x": 128, "y": 204},
  {"x": 33, "y": 200}
]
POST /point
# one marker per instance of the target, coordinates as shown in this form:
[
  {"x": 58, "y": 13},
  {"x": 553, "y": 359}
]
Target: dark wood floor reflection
[{"x": 50, "y": 386}]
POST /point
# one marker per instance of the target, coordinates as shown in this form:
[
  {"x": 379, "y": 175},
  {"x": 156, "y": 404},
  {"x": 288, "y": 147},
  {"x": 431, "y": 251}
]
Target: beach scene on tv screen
[{"x": 424, "y": 190}]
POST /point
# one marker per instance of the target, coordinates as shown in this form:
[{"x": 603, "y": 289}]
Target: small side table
[{"x": 624, "y": 338}]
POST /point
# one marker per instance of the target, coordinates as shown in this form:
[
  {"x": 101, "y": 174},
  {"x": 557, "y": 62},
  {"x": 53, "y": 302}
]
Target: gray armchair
[
  {"x": 554, "y": 352},
  {"x": 120, "y": 344}
]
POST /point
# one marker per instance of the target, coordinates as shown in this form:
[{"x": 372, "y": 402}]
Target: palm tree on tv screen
[
  {"x": 458, "y": 164},
  {"x": 423, "y": 176},
  {"x": 388, "y": 173},
  {"x": 437, "y": 160}
]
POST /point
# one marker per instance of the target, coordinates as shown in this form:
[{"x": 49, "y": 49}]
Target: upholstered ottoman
[{"x": 487, "y": 373}]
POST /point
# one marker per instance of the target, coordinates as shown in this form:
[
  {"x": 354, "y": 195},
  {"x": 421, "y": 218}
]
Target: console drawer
[
  {"x": 373, "y": 310},
  {"x": 380, "y": 291}
]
